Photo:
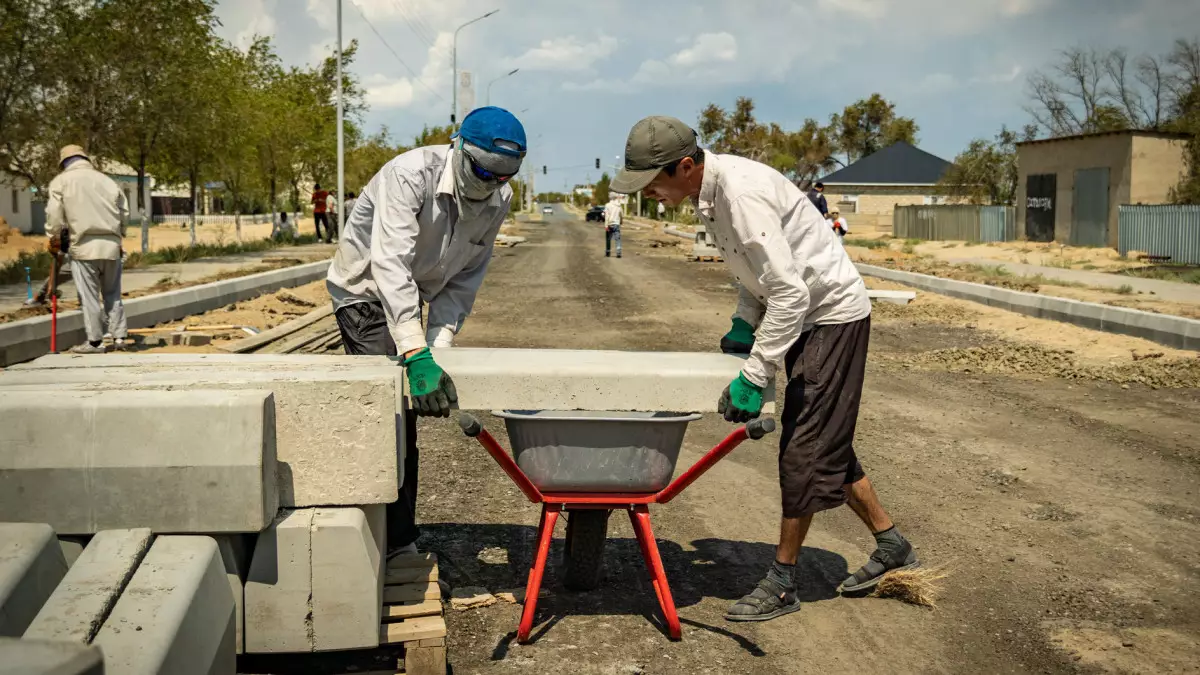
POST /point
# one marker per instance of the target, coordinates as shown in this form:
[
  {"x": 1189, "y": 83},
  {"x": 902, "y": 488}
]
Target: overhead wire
[
  {"x": 412, "y": 72},
  {"x": 412, "y": 24}
]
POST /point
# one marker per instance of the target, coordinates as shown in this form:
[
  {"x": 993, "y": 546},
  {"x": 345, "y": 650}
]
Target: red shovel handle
[
  {"x": 472, "y": 428},
  {"x": 756, "y": 430}
]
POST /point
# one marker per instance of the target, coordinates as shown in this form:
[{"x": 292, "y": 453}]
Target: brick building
[{"x": 899, "y": 174}]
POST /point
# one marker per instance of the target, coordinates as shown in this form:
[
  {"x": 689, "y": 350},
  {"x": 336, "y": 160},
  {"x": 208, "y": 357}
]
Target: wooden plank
[
  {"x": 432, "y": 642},
  {"x": 411, "y": 610},
  {"x": 420, "y": 628},
  {"x": 413, "y": 560},
  {"x": 411, "y": 593},
  {"x": 270, "y": 335},
  {"x": 425, "y": 661},
  {"x": 410, "y": 575},
  {"x": 301, "y": 341}
]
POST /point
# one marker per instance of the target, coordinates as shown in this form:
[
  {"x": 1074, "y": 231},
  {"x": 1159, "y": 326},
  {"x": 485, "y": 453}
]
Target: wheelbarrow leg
[
  {"x": 639, "y": 517},
  {"x": 534, "y": 585}
]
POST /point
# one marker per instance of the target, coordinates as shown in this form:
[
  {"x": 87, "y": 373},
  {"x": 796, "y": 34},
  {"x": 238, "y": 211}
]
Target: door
[
  {"x": 1089, "y": 208},
  {"x": 37, "y": 211},
  {"x": 1040, "y": 193}
]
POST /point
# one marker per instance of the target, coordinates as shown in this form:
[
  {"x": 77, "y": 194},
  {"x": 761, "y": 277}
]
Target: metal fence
[
  {"x": 1167, "y": 231},
  {"x": 214, "y": 219},
  {"x": 955, "y": 222}
]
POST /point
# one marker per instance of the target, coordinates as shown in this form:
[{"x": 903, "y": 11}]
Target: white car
[{"x": 547, "y": 209}]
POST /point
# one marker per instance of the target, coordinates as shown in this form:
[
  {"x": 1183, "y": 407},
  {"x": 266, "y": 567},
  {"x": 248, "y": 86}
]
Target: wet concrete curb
[
  {"x": 1172, "y": 331},
  {"x": 30, "y": 338}
]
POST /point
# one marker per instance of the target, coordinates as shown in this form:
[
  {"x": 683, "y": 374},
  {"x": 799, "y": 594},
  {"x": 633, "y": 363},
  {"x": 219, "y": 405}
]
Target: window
[
  {"x": 16, "y": 204},
  {"x": 848, "y": 203},
  {"x": 934, "y": 200}
]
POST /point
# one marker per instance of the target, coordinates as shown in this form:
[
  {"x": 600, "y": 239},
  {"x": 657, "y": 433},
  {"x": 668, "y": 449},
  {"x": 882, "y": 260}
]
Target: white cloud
[
  {"x": 257, "y": 20},
  {"x": 708, "y": 48},
  {"x": 383, "y": 92},
  {"x": 867, "y": 9},
  {"x": 565, "y": 54},
  {"x": 1003, "y": 77}
]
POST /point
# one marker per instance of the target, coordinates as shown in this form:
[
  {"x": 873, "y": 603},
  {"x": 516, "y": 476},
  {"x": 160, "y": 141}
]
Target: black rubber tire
[{"x": 583, "y": 554}]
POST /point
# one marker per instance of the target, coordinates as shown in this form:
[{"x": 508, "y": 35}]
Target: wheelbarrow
[{"x": 591, "y": 464}]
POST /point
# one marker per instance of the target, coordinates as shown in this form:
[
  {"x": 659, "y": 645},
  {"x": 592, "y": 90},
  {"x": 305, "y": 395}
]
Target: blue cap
[{"x": 495, "y": 130}]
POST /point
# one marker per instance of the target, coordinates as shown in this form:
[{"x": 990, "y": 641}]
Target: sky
[{"x": 589, "y": 70}]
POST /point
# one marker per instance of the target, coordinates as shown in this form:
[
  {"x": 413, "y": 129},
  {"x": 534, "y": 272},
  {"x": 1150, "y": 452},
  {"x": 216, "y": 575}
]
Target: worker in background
[
  {"x": 816, "y": 195},
  {"x": 800, "y": 302},
  {"x": 90, "y": 207},
  {"x": 348, "y": 203},
  {"x": 320, "y": 200},
  {"x": 612, "y": 227},
  {"x": 662, "y": 211},
  {"x": 838, "y": 223},
  {"x": 421, "y": 235}
]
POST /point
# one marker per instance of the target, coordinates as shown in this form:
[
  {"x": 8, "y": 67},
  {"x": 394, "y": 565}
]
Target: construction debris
[{"x": 471, "y": 597}]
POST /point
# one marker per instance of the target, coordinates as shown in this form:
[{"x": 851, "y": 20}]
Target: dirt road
[{"x": 1068, "y": 512}]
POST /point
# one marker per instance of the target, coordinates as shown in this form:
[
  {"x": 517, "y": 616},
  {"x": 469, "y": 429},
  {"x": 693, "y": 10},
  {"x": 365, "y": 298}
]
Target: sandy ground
[
  {"x": 1052, "y": 470},
  {"x": 1032, "y": 253},
  {"x": 161, "y": 236},
  {"x": 926, "y": 263}
]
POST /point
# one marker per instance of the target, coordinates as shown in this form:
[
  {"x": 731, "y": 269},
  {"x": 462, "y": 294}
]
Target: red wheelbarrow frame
[{"x": 635, "y": 504}]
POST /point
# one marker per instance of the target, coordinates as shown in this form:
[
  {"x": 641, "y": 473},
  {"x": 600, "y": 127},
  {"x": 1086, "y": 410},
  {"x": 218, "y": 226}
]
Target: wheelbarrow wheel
[{"x": 583, "y": 555}]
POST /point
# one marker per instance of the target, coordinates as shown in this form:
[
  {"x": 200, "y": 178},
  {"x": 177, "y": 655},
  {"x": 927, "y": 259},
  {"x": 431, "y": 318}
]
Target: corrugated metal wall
[
  {"x": 1163, "y": 230},
  {"x": 957, "y": 222}
]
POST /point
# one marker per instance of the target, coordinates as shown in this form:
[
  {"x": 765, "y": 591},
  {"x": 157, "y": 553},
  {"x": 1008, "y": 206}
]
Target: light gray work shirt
[{"x": 404, "y": 243}]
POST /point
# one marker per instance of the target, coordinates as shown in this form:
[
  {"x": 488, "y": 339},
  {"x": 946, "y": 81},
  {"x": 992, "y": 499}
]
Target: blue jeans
[{"x": 612, "y": 233}]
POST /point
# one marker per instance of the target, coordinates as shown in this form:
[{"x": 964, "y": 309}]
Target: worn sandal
[
  {"x": 767, "y": 601},
  {"x": 881, "y": 562}
]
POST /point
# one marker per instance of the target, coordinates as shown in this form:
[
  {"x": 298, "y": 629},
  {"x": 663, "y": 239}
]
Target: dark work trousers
[
  {"x": 318, "y": 219},
  {"x": 612, "y": 233},
  {"x": 364, "y": 331}
]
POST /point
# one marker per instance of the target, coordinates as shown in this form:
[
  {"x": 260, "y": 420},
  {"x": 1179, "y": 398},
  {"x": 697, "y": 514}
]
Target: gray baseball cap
[{"x": 653, "y": 143}]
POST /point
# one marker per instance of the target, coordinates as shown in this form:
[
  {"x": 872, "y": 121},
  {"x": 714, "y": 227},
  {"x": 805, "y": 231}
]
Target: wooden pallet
[{"x": 412, "y": 613}]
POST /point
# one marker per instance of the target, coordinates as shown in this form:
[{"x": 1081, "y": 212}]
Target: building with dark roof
[
  {"x": 900, "y": 174},
  {"x": 1069, "y": 188}
]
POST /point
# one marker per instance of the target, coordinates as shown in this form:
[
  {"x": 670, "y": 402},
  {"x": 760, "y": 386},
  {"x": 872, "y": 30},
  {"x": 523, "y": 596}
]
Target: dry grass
[{"x": 918, "y": 586}]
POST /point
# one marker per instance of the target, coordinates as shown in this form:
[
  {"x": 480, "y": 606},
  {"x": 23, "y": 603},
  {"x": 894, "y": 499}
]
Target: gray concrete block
[
  {"x": 86, "y": 595},
  {"x": 235, "y": 556},
  {"x": 347, "y": 576},
  {"x": 196, "y": 339},
  {"x": 335, "y": 427},
  {"x": 30, "y": 338},
  {"x": 176, "y": 615},
  {"x": 31, "y": 565},
  {"x": 173, "y": 461},
  {"x": 39, "y": 657},
  {"x": 278, "y": 591}
]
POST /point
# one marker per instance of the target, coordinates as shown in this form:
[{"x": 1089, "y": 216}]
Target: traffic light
[
  {"x": 543, "y": 169},
  {"x": 597, "y": 162}
]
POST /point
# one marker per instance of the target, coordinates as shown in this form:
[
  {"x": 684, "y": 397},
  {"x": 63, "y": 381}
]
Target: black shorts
[
  {"x": 816, "y": 450},
  {"x": 364, "y": 330}
]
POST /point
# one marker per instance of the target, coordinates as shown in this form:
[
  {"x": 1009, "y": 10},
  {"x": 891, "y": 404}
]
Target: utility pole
[
  {"x": 341, "y": 159},
  {"x": 454, "y": 69}
]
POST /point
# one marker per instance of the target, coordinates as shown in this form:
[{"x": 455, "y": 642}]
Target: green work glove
[
  {"x": 431, "y": 388},
  {"x": 741, "y": 401},
  {"x": 739, "y": 339}
]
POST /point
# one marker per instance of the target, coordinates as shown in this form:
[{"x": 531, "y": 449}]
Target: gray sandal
[
  {"x": 880, "y": 563},
  {"x": 767, "y": 601}
]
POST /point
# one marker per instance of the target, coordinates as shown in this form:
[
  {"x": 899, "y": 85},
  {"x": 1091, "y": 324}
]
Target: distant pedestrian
[
  {"x": 838, "y": 222},
  {"x": 662, "y": 211},
  {"x": 817, "y": 196},
  {"x": 91, "y": 208},
  {"x": 612, "y": 227},
  {"x": 320, "y": 199}
]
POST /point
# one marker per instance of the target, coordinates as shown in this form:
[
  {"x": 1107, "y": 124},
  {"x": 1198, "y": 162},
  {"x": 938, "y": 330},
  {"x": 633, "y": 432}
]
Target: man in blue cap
[{"x": 421, "y": 233}]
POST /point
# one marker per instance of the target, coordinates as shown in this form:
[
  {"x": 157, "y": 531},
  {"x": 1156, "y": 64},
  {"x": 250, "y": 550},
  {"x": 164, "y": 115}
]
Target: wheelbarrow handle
[
  {"x": 756, "y": 430},
  {"x": 474, "y": 429}
]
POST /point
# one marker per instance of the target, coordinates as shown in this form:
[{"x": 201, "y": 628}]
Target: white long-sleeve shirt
[
  {"x": 792, "y": 274},
  {"x": 92, "y": 207},
  {"x": 612, "y": 213},
  {"x": 404, "y": 243}
]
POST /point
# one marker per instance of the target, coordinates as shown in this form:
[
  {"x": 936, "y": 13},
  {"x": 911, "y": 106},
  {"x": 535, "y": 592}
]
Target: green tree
[
  {"x": 433, "y": 136},
  {"x": 1187, "y": 120},
  {"x": 869, "y": 125},
  {"x": 986, "y": 172},
  {"x": 600, "y": 193},
  {"x": 25, "y": 57},
  {"x": 364, "y": 160}
]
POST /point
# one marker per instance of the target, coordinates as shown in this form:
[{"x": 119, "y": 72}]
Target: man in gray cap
[
  {"x": 91, "y": 207},
  {"x": 802, "y": 304},
  {"x": 421, "y": 233}
]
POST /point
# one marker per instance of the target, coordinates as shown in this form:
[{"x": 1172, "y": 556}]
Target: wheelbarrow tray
[{"x": 596, "y": 452}]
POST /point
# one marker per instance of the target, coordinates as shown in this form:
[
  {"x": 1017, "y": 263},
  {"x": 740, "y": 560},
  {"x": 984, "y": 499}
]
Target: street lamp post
[
  {"x": 487, "y": 99},
  {"x": 454, "y": 67}
]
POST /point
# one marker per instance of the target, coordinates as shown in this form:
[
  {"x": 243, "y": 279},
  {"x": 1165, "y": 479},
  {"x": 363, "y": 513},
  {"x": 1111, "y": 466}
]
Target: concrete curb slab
[
  {"x": 31, "y": 566},
  {"x": 30, "y": 338},
  {"x": 139, "y": 459},
  {"x": 41, "y": 657},
  {"x": 1172, "y": 331},
  {"x": 82, "y": 601},
  {"x": 278, "y": 603},
  {"x": 175, "y": 616}
]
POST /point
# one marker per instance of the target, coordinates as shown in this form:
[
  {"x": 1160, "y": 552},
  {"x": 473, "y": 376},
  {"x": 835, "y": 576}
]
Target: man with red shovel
[{"x": 802, "y": 303}]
